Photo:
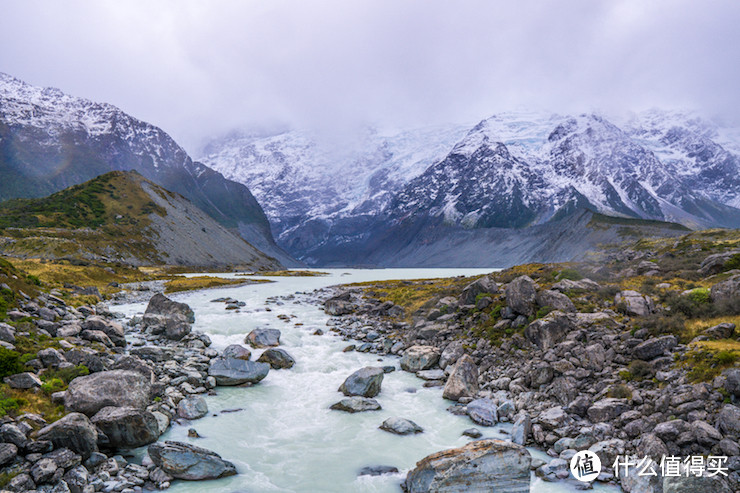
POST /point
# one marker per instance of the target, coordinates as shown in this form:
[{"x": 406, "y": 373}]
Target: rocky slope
[
  {"x": 511, "y": 171},
  {"x": 640, "y": 358},
  {"x": 50, "y": 140},
  {"x": 122, "y": 217}
]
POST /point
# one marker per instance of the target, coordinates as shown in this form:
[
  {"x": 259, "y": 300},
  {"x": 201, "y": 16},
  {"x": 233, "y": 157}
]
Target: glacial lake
[{"x": 285, "y": 438}]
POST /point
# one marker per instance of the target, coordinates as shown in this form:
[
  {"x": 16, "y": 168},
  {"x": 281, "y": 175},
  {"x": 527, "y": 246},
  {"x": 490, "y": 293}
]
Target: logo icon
[{"x": 585, "y": 466}]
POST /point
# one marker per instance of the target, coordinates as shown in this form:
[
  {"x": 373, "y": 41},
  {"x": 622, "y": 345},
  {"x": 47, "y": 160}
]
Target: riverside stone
[
  {"x": 232, "y": 371},
  {"x": 400, "y": 426},
  {"x": 365, "y": 382},
  {"x": 356, "y": 405},
  {"x": 121, "y": 388},
  {"x": 159, "y": 304},
  {"x": 277, "y": 358},
  {"x": 607, "y": 409},
  {"x": 482, "y": 466},
  {"x": 463, "y": 380},
  {"x": 417, "y": 358},
  {"x": 184, "y": 461},
  {"x": 260, "y": 338},
  {"x": 483, "y": 412},
  {"x": 194, "y": 407},
  {"x": 127, "y": 427},
  {"x": 548, "y": 331},
  {"x": 236, "y": 351}
]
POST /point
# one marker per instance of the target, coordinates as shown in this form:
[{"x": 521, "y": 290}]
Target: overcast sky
[{"x": 200, "y": 68}]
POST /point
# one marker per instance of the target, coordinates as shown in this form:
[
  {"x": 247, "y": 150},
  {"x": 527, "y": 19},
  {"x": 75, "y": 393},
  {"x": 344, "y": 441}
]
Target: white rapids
[{"x": 281, "y": 434}]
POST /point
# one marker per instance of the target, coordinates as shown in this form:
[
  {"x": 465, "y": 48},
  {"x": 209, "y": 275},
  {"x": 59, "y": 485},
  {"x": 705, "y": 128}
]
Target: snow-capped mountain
[
  {"x": 513, "y": 170},
  {"x": 50, "y": 140}
]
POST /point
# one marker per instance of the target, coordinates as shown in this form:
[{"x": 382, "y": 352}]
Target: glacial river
[{"x": 280, "y": 434}]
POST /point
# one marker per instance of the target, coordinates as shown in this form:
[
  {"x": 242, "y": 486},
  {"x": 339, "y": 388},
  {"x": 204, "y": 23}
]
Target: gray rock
[
  {"x": 184, "y": 461},
  {"x": 728, "y": 290},
  {"x": 548, "y": 331},
  {"x": 481, "y": 466},
  {"x": 714, "y": 264},
  {"x": 97, "y": 336},
  {"x": 26, "y": 380},
  {"x": 732, "y": 381},
  {"x": 552, "y": 418},
  {"x": 127, "y": 427},
  {"x": 720, "y": 331},
  {"x": 704, "y": 433},
  {"x": 260, "y": 338},
  {"x": 7, "y": 333},
  {"x": 173, "y": 327},
  {"x": 521, "y": 294},
  {"x": 120, "y": 388},
  {"x": 8, "y": 453},
  {"x": 365, "y": 382},
  {"x": 451, "y": 354},
  {"x": 193, "y": 407},
  {"x": 135, "y": 364},
  {"x": 583, "y": 285},
  {"x": 649, "y": 445},
  {"x": 11, "y": 433},
  {"x": 522, "y": 429},
  {"x": 634, "y": 303},
  {"x": 50, "y": 357},
  {"x": 76, "y": 479},
  {"x": 236, "y": 351},
  {"x": 483, "y": 412},
  {"x": 64, "y": 458},
  {"x": 112, "y": 329},
  {"x": 277, "y": 358},
  {"x": 74, "y": 431},
  {"x": 608, "y": 450},
  {"x": 152, "y": 353},
  {"x": 417, "y": 358},
  {"x": 43, "y": 470},
  {"x": 356, "y": 405},
  {"x": 484, "y": 285},
  {"x": 339, "y": 305},
  {"x": 693, "y": 484},
  {"x": 728, "y": 420},
  {"x": 472, "y": 433},
  {"x": 377, "y": 470},
  {"x": 159, "y": 304},
  {"x": 652, "y": 348},
  {"x": 231, "y": 371},
  {"x": 556, "y": 301},
  {"x": 633, "y": 482},
  {"x": 463, "y": 380},
  {"x": 607, "y": 409},
  {"x": 400, "y": 426}
]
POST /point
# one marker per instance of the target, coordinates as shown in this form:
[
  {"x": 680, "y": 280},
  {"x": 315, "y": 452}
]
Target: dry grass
[
  {"x": 696, "y": 327},
  {"x": 32, "y": 401},
  {"x": 179, "y": 283}
]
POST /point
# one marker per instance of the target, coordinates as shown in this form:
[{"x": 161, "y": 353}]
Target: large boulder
[
  {"x": 232, "y": 371},
  {"x": 728, "y": 290},
  {"x": 127, "y": 427},
  {"x": 120, "y": 388},
  {"x": 112, "y": 329},
  {"x": 720, "y": 331},
  {"x": 184, "y": 461},
  {"x": 714, "y": 264},
  {"x": 260, "y": 338},
  {"x": 173, "y": 327},
  {"x": 417, "y": 358},
  {"x": 74, "y": 431},
  {"x": 277, "y": 358},
  {"x": 339, "y": 305},
  {"x": 521, "y": 295},
  {"x": 451, "y": 354},
  {"x": 482, "y": 466},
  {"x": 484, "y": 285},
  {"x": 365, "y": 382},
  {"x": 548, "y": 331},
  {"x": 356, "y": 405},
  {"x": 556, "y": 301},
  {"x": 728, "y": 420},
  {"x": 463, "y": 380},
  {"x": 159, "y": 304},
  {"x": 634, "y": 303},
  {"x": 25, "y": 380},
  {"x": 654, "y": 347},
  {"x": 236, "y": 351}
]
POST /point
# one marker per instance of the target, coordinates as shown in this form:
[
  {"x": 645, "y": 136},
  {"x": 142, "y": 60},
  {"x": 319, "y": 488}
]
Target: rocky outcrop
[
  {"x": 184, "y": 461},
  {"x": 634, "y": 304},
  {"x": 232, "y": 371},
  {"x": 119, "y": 388},
  {"x": 127, "y": 427},
  {"x": 548, "y": 331},
  {"x": 482, "y": 286},
  {"x": 479, "y": 467},
  {"x": 365, "y": 382},
  {"x": 726, "y": 291},
  {"x": 521, "y": 296},
  {"x": 555, "y": 300}
]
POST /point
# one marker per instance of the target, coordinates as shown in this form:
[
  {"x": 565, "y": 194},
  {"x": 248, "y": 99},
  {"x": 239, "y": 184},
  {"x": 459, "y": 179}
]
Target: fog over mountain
[{"x": 199, "y": 70}]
